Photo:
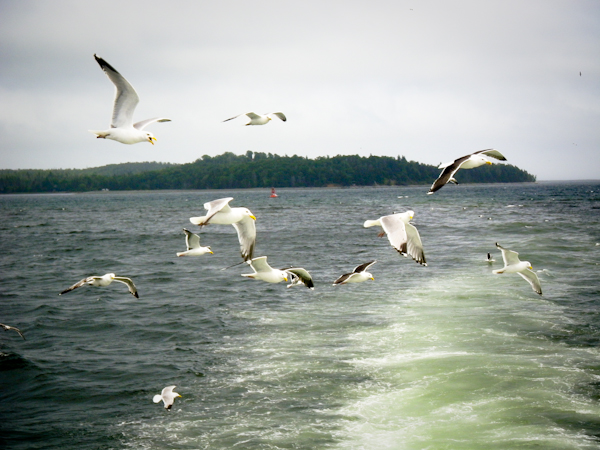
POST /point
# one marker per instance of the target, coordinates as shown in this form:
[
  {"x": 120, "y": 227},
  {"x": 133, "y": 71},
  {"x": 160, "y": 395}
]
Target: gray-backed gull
[
  {"x": 104, "y": 280},
  {"x": 512, "y": 264},
  {"x": 259, "y": 119},
  {"x": 358, "y": 275},
  {"x": 192, "y": 242}
]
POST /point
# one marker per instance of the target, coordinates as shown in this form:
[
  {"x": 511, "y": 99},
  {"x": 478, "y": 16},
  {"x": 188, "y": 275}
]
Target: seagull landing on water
[
  {"x": 192, "y": 241},
  {"x": 122, "y": 128},
  {"x": 104, "y": 280},
  {"x": 168, "y": 397},
  {"x": 512, "y": 264},
  {"x": 259, "y": 119},
  {"x": 8, "y": 328},
  {"x": 358, "y": 275},
  {"x": 466, "y": 162},
  {"x": 403, "y": 235},
  {"x": 242, "y": 220}
]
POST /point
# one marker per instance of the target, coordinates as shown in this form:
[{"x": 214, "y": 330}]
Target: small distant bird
[
  {"x": 168, "y": 397},
  {"x": 192, "y": 241},
  {"x": 242, "y": 220},
  {"x": 264, "y": 272},
  {"x": 466, "y": 162},
  {"x": 512, "y": 264},
  {"x": 489, "y": 258},
  {"x": 259, "y": 119},
  {"x": 104, "y": 280},
  {"x": 358, "y": 275},
  {"x": 8, "y": 327},
  {"x": 298, "y": 276},
  {"x": 122, "y": 129},
  {"x": 403, "y": 235}
]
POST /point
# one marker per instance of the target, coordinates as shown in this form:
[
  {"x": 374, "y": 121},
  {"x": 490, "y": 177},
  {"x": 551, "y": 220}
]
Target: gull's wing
[
  {"x": 246, "y": 231},
  {"x": 447, "y": 173},
  {"x": 253, "y": 115},
  {"x": 234, "y": 117},
  {"x": 493, "y": 153},
  {"x": 260, "y": 264},
  {"x": 192, "y": 240},
  {"x": 129, "y": 284},
  {"x": 8, "y": 327},
  {"x": 221, "y": 204},
  {"x": 414, "y": 246},
  {"x": 279, "y": 114},
  {"x": 78, "y": 284},
  {"x": 141, "y": 125},
  {"x": 363, "y": 267},
  {"x": 344, "y": 278},
  {"x": 395, "y": 230},
  {"x": 126, "y": 99},
  {"x": 509, "y": 256},
  {"x": 302, "y": 275},
  {"x": 532, "y": 279}
]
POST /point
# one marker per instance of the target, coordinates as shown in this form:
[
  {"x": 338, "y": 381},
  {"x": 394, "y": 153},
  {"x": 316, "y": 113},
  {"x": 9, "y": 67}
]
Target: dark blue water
[{"x": 444, "y": 356}]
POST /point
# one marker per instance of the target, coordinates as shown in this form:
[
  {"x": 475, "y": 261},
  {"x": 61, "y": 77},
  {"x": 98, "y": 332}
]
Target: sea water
[{"x": 438, "y": 357}]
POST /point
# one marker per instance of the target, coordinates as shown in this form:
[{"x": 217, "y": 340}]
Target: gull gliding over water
[
  {"x": 358, "y": 275},
  {"x": 8, "y": 328},
  {"x": 466, "y": 162},
  {"x": 264, "y": 272},
  {"x": 259, "y": 119},
  {"x": 104, "y": 280},
  {"x": 192, "y": 241},
  {"x": 512, "y": 264},
  {"x": 168, "y": 397},
  {"x": 242, "y": 219},
  {"x": 122, "y": 128},
  {"x": 403, "y": 235}
]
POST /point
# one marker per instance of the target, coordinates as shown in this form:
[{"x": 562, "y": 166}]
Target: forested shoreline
[{"x": 251, "y": 170}]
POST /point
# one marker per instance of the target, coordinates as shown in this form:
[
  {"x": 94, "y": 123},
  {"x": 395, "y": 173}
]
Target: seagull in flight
[
  {"x": 122, "y": 128},
  {"x": 358, "y": 275},
  {"x": 8, "y": 328},
  {"x": 259, "y": 119},
  {"x": 104, "y": 280}
]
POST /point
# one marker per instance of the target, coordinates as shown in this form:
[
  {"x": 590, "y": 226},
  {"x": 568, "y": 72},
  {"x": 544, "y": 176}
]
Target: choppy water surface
[{"x": 444, "y": 356}]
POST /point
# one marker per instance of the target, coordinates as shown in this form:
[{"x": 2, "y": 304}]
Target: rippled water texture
[{"x": 438, "y": 357}]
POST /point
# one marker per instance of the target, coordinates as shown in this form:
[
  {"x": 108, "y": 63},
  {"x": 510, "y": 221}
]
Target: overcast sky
[{"x": 430, "y": 80}]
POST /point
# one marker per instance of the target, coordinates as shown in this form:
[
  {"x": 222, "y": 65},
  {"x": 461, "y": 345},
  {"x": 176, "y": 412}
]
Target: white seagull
[
  {"x": 168, "y": 397},
  {"x": 8, "y": 327},
  {"x": 489, "y": 258},
  {"x": 192, "y": 242},
  {"x": 403, "y": 235},
  {"x": 512, "y": 264},
  {"x": 242, "y": 220},
  {"x": 259, "y": 119},
  {"x": 264, "y": 272},
  {"x": 122, "y": 128},
  {"x": 298, "y": 276},
  {"x": 358, "y": 275},
  {"x": 466, "y": 162},
  {"x": 104, "y": 280}
]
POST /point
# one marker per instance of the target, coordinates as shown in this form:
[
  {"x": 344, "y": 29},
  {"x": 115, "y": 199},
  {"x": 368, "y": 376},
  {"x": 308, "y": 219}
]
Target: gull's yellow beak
[
  {"x": 151, "y": 139},
  {"x": 252, "y": 216},
  {"x": 531, "y": 267},
  {"x": 488, "y": 162},
  {"x": 211, "y": 252},
  {"x": 373, "y": 278},
  {"x": 285, "y": 279}
]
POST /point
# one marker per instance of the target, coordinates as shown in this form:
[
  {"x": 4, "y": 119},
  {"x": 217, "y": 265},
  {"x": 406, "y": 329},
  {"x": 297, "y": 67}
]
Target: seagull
[
  {"x": 264, "y": 272},
  {"x": 512, "y": 264},
  {"x": 242, "y": 220},
  {"x": 8, "y": 327},
  {"x": 466, "y": 162},
  {"x": 122, "y": 128},
  {"x": 192, "y": 241},
  {"x": 403, "y": 235},
  {"x": 168, "y": 397},
  {"x": 104, "y": 280},
  {"x": 358, "y": 275},
  {"x": 489, "y": 258},
  {"x": 298, "y": 276},
  {"x": 259, "y": 119}
]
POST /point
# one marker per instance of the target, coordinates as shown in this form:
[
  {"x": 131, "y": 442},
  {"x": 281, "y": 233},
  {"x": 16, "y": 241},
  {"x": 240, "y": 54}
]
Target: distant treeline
[{"x": 252, "y": 170}]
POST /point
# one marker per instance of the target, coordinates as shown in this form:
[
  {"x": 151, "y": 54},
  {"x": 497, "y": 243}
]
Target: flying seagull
[
  {"x": 358, "y": 275},
  {"x": 104, "y": 280},
  {"x": 489, "y": 258},
  {"x": 168, "y": 397},
  {"x": 259, "y": 119},
  {"x": 8, "y": 327},
  {"x": 512, "y": 264},
  {"x": 298, "y": 276},
  {"x": 403, "y": 235},
  {"x": 122, "y": 128},
  {"x": 466, "y": 162},
  {"x": 242, "y": 219},
  {"x": 264, "y": 272},
  {"x": 192, "y": 242}
]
